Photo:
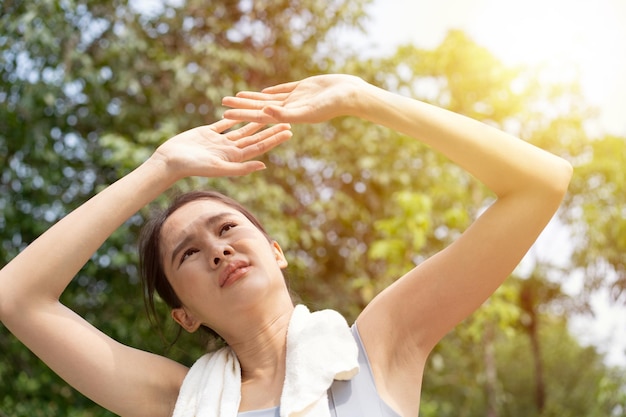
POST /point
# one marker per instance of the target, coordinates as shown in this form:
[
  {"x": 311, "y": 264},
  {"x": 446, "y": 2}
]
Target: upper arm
[
  {"x": 127, "y": 381},
  {"x": 417, "y": 310}
]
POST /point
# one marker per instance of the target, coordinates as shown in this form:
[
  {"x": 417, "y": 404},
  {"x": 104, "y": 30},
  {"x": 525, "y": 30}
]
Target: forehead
[{"x": 195, "y": 213}]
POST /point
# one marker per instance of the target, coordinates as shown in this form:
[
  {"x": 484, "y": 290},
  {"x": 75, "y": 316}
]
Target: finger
[
  {"x": 253, "y": 101},
  {"x": 262, "y": 135},
  {"x": 242, "y": 168},
  {"x": 260, "y": 147},
  {"x": 241, "y": 102},
  {"x": 287, "y": 114},
  {"x": 223, "y": 124},
  {"x": 255, "y": 95},
  {"x": 257, "y": 116},
  {"x": 230, "y": 168},
  {"x": 281, "y": 88},
  {"x": 245, "y": 130}
]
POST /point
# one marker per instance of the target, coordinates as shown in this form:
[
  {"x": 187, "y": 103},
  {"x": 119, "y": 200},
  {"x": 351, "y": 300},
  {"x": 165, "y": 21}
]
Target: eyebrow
[{"x": 210, "y": 222}]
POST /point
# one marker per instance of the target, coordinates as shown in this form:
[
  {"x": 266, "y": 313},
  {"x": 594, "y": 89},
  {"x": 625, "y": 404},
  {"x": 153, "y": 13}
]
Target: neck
[
  {"x": 260, "y": 343},
  {"x": 261, "y": 350}
]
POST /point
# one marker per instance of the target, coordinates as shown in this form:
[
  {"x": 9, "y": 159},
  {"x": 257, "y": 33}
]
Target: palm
[
  {"x": 312, "y": 100},
  {"x": 206, "y": 151}
]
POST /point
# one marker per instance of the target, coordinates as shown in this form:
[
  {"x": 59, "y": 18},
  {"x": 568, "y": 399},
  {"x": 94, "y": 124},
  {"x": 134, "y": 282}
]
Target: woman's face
[{"x": 219, "y": 264}]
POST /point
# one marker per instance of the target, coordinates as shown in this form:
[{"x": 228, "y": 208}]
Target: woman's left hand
[{"x": 312, "y": 100}]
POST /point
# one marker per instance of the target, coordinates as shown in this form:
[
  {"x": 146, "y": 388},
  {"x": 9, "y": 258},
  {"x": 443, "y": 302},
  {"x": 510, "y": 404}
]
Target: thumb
[
  {"x": 283, "y": 114},
  {"x": 248, "y": 167}
]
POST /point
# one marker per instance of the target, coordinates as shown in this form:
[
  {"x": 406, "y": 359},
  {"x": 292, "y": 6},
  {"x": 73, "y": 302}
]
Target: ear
[
  {"x": 186, "y": 321},
  {"x": 279, "y": 255}
]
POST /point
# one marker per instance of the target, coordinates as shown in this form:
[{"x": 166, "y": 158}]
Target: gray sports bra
[{"x": 354, "y": 398}]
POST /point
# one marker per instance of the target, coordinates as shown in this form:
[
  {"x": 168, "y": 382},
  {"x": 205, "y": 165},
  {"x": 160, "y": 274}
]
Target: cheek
[
  {"x": 181, "y": 284},
  {"x": 193, "y": 281}
]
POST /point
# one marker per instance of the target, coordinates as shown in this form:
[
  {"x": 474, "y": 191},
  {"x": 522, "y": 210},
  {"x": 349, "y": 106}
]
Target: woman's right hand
[
  {"x": 125, "y": 380},
  {"x": 209, "y": 152}
]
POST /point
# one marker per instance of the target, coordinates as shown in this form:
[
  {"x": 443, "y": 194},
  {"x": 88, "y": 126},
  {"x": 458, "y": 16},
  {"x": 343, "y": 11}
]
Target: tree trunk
[
  {"x": 531, "y": 324},
  {"x": 491, "y": 371}
]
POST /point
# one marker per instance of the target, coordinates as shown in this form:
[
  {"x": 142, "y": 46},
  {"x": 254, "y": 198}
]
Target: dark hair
[{"x": 150, "y": 260}]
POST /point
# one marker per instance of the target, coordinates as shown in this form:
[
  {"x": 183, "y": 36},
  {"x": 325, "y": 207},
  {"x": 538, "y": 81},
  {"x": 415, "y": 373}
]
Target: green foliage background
[{"x": 89, "y": 88}]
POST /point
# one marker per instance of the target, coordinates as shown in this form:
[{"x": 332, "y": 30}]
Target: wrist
[
  {"x": 364, "y": 100},
  {"x": 161, "y": 170}
]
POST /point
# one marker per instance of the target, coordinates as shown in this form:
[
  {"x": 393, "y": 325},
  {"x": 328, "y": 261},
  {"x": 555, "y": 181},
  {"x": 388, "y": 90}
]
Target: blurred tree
[
  {"x": 574, "y": 381},
  {"x": 597, "y": 208},
  {"x": 88, "y": 91},
  {"x": 466, "y": 78}
]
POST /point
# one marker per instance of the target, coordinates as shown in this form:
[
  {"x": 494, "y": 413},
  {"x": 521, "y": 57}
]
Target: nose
[{"x": 220, "y": 254}]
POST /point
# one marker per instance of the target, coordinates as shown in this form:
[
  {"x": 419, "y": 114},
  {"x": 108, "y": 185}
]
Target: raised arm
[
  {"x": 124, "y": 380},
  {"x": 402, "y": 324}
]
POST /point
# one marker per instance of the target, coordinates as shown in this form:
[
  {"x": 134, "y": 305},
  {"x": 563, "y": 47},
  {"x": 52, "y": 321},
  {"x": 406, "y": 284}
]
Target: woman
[{"x": 226, "y": 272}]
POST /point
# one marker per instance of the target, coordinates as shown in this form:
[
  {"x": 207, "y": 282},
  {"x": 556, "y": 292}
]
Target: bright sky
[
  {"x": 586, "y": 34},
  {"x": 589, "y": 35}
]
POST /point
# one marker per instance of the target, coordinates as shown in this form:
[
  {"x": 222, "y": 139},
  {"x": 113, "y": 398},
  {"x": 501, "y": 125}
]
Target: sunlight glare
[{"x": 574, "y": 38}]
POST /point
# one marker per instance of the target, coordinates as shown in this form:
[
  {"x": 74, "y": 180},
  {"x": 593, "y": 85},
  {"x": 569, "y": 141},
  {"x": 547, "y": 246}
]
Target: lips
[{"x": 232, "y": 272}]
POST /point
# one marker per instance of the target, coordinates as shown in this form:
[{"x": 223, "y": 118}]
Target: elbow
[
  {"x": 552, "y": 184},
  {"x": 9, "y": 300},
  {"x": 5, "y": 308},
  {"x": 12, "y": 309},
  {"x": 560, "y": 177},
  {"x": 546, "y": 183}
]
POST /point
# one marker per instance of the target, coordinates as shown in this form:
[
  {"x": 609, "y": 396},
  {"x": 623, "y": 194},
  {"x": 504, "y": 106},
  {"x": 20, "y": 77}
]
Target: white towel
[{"x": 320, "y": 349}]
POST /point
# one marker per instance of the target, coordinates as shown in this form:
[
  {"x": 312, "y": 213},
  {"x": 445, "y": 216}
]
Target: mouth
[{"x": 232, "y": 272}]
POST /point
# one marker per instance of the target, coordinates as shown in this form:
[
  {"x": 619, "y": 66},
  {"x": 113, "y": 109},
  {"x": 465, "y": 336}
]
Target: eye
[
  {"x": 187, "y": 253},
  {"x": 226, "y": 227}
]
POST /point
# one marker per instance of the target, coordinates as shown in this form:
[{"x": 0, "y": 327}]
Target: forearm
[
  {"x": 502, "y": 162},
  {"x": 43, "y": 270},
  {"x": 45, "y": 267}
]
